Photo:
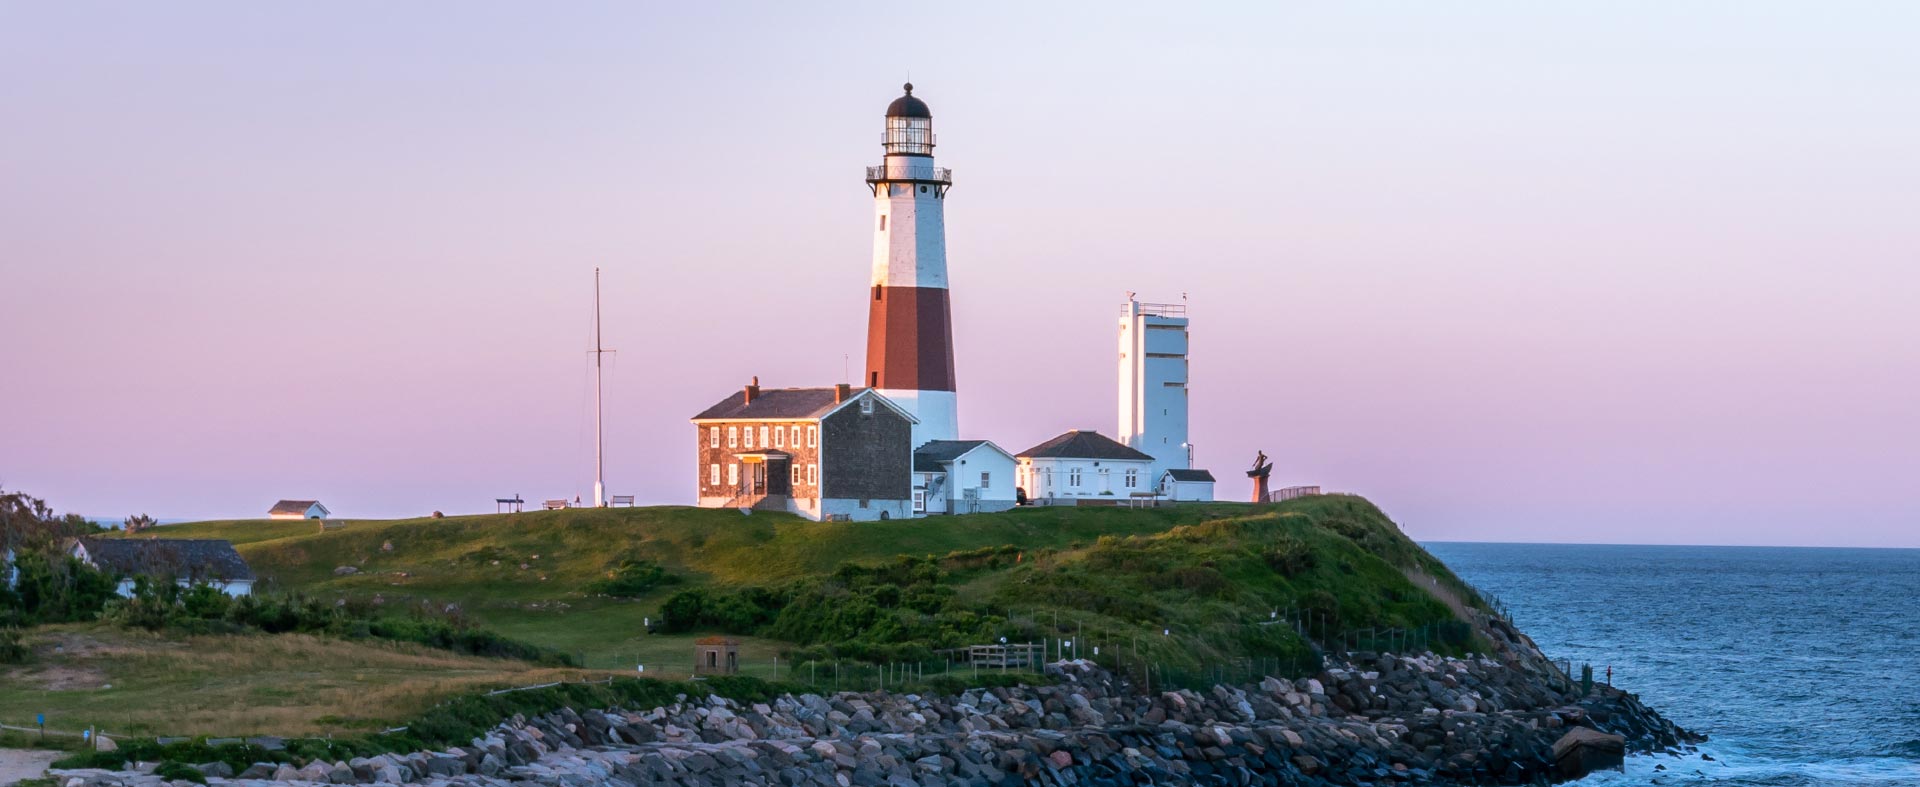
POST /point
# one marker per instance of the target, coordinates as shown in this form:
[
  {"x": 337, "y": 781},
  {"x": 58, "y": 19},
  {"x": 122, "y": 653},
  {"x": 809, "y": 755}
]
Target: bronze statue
[{"x": 1261, "y": 469}]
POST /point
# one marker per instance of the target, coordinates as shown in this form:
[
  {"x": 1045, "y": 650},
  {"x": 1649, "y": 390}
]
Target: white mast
[{"x": 599, "y": 453}]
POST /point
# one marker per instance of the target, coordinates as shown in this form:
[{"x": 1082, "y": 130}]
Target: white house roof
[
  {"x": 187, "y": 558},
  {"x": 934, "y": 455},
  {"x": 293, "y": 507},
  {"x": 1079, "y": 444}
]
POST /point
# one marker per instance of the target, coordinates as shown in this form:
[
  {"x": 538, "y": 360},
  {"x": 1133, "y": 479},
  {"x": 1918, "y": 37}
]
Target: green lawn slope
[{"x": 1186, "y": 585}]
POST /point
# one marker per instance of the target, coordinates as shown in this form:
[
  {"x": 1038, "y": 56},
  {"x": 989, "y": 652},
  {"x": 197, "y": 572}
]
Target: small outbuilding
[
  {"x": 1186, "y": 485},
  {"x": 716, "y": 656},
  {"x": 187, "y": 561},
  {"x": 298, "y": 509}
]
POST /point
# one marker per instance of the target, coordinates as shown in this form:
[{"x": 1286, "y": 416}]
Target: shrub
[
  {"x": 633, "y": 578},
  {"x": 1290, "y": 557},
  {"x": 172, "y": 770},
  {"x": 13, "y": 647}
]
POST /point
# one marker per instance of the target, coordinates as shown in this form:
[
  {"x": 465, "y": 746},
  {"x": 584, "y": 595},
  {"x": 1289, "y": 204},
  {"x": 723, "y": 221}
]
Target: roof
[
  {"x": 785, "y": 404},
  {"x": 909, "y": 107},
  {"x": 1190, "y": 475},
  {"x": 929, "y": 457},
  {"x": 197, "y": 558},
  {"x": 292, "y": 506},
  {"x": 716, "y": 641},
  {"x": 1079, "y": 444}
]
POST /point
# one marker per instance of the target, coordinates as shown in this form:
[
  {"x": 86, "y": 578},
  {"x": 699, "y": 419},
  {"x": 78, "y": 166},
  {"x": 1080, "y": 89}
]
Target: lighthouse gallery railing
[{"x": 940, "y": 175}]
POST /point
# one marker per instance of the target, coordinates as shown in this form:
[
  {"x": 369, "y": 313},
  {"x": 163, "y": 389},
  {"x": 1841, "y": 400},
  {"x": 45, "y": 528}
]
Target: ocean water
[{"x": 1802, "y": 664}]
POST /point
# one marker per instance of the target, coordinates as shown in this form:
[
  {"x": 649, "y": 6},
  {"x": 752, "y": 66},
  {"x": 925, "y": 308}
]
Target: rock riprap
[{"x": 1374, "y": 720}]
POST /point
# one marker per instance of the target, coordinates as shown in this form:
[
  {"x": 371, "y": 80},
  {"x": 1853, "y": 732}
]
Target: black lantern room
[{"x": 909, "y": 126}]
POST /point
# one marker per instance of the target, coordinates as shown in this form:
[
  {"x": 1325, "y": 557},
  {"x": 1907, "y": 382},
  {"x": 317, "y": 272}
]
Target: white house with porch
[
  {"x": 963, "y": 477},
  {"x": 1084, "y": 464}
]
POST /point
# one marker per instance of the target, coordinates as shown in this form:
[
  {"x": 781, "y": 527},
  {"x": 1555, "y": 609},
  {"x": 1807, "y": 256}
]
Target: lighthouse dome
[{"x": 908, "y": 107}]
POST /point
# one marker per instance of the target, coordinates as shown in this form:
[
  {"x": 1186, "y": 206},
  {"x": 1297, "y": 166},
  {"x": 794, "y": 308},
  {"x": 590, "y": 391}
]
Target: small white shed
[
  {"x": 1187, "y": 485},
  {"x": 298, "y": 509}
]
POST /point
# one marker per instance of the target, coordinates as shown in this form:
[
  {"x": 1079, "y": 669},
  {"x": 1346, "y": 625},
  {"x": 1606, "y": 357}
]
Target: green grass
[
  {"x": 132, "y": 682},
  {"x": 525, "y": 574}
]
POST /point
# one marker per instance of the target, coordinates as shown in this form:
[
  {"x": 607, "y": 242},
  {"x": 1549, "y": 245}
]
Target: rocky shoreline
[{"x": 1375, "y": 719}]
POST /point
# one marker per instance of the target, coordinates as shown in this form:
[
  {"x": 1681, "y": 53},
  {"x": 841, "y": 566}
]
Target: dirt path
[
  {"x": 1425, "y": 581},
  {"x": 17, "y": 764}
]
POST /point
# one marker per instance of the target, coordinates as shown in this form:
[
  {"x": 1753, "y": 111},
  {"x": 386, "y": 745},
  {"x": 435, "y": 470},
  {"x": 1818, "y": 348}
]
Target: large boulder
[{"x": 1584, "y": 750}]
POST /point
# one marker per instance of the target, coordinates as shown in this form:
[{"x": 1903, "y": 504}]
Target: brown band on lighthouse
[{"x": 910, "y": 339}]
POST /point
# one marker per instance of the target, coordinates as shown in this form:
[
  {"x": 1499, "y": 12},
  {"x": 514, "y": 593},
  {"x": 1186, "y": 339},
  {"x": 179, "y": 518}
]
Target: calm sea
[{"x": 1802, "y": 664}]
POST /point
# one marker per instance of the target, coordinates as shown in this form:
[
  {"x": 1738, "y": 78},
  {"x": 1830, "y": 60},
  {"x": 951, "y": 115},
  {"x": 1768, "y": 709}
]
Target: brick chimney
[
  {"x": 753, "y": 390},
  {"x": 841, "y": 392}
]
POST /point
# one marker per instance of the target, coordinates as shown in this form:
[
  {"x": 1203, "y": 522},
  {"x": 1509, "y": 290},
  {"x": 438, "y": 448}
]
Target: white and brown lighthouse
[{"x": 910, "y": 325}]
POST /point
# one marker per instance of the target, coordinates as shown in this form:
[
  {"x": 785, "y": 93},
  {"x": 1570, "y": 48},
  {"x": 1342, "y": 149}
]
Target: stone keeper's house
[{"x": 838, "y": 453}]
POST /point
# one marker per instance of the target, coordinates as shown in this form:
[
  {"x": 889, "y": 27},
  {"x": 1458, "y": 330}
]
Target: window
[
  {"x": 749, "y": 431},
  {"x": 1073, "y": 477},
  {"x": 866, "y": 405},
  {"x": 763, "y": 437},
  {"x": 713, "y": 437},
  {"x": 779, "y": 437},
  {"x": 813, "y": 474},
  {"x": 883, "y": 222},
  {"x": 713, "y": 470},
  {"x": 733, "y": 474},
  {"x": 986, "y": 480},
  {"x": 796, "y": 435},
  {"x": 733, "y": 437},
  {"x": 813, "y": 434},
  {"x": 796, "y": 475},
  {"x": 1133, "y": 478}
]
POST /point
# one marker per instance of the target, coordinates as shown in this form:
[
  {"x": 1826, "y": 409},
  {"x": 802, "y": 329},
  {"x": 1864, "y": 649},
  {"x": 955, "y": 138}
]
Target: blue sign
[{"x": 40, "y": 719}]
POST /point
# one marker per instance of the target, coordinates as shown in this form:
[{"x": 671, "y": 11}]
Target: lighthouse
[{"x": 909, "y": 322}]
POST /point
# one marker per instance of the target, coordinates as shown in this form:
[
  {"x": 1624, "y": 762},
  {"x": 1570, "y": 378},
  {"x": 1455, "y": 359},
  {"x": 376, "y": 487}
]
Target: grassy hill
[
  {"x": 1186, "y": 585},
  {"x": 131, "y": 681}
]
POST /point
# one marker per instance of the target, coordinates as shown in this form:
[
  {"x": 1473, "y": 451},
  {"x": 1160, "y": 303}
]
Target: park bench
[
  {"x": 551, "y": 505},
  {"x": 623, "y": 500}
]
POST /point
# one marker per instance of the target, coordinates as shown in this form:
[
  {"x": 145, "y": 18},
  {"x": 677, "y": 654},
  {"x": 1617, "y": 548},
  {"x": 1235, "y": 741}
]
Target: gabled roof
[
  {"x": 787, "y": 404},
  {"x": 1079, "y": 444},
  {"x": 1190, "y": 475},
  {"x": 292, "y": 507},
  {"x": 934, "y": 455},
  {"x": 189, "y": 558}
]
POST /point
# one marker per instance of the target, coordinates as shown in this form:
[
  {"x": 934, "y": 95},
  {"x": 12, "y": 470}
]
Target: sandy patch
[{"x": 17, "y": 764}]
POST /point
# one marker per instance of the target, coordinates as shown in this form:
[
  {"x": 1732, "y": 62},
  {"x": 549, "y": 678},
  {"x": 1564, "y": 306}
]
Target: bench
[
  {"x": 551, "y": 505},
  {"x": 623, "y": 500}
]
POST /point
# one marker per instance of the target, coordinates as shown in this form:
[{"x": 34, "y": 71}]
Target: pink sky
[{"x": 1574, "y": 273}]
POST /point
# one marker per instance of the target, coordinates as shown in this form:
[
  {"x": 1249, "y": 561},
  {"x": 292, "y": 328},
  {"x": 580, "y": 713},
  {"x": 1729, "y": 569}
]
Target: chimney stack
[
  {"x": 753, "y": 390},
  {"x": 841, "y": 392}
]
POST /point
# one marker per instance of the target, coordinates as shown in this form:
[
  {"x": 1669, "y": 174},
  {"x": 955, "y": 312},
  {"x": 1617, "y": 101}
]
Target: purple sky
[{"x": 1610, "y": 273}]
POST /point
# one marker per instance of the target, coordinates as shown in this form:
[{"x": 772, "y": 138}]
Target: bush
[
  {"x": 172, "y": 770},
  {"x": 1290, "y": 557},
  {"x": 633, "y": 578},
  {"x": 13, "y": 647}
]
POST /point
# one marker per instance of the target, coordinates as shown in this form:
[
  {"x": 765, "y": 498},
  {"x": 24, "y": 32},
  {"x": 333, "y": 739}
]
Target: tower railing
[
  {"x": 940, "y": 175},
  {"x": 1159, "y": 309}
]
